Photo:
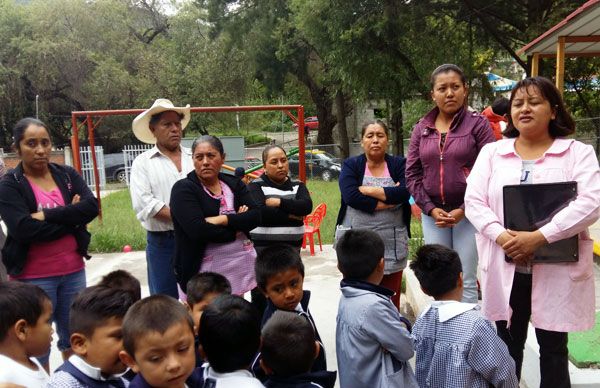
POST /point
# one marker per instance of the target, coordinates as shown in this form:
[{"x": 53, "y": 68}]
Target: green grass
[
  {"x": 120, "y": 227},
  {"x": 329, "y": 193},
  {"x": 584, "y": 347}
]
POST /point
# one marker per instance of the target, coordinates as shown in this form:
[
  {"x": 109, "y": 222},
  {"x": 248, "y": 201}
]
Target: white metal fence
[
  {"x": 87, "y": 166},
  {"x": 130, "y": 152}
]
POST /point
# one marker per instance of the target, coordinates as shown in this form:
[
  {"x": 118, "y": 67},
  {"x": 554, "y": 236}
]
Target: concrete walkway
[{"x": 322, "y": 278}]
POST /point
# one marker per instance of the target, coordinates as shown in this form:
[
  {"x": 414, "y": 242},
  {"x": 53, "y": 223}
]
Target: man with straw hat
[{"x": 153, "y": 174}]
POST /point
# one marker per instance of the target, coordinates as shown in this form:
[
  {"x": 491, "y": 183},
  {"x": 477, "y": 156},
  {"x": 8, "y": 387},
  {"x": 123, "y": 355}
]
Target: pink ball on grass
[{"x": 127, "y": 248}]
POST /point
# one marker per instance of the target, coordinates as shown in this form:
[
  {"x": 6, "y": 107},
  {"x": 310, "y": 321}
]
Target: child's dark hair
[
  {"x": 156, "y": 313},
  {"x": 288, "y": 344},
  {"x": 501, "y": 106},
  {"x": 229, "y": 333},
  {"x": 204, "y": 283},
  {"x": 359, "y": 252},
  {"x": 276, "y": 259},
  {"x": 123, "y": 280},
  {"x": 437, "y": 268},
  {"x": 95, "y": 305},
  {"x": 19, "y": 301}
]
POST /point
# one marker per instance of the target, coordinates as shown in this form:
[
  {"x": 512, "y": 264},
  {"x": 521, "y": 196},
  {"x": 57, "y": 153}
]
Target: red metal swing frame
[{"x": 89, "y": 122}]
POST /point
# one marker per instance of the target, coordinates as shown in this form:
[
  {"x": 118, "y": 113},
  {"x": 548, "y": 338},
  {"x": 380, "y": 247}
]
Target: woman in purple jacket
[{"x": 443, "y": 148}]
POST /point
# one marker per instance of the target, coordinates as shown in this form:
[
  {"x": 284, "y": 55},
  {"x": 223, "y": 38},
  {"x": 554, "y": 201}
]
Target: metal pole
[
  {"x": 75, "y": 143},
  {"x": 302, "y": 155},
  {"x": 37, "y": 98},
  {"x": 90, "y": 125},
  {"x": 237, "y": 120}
]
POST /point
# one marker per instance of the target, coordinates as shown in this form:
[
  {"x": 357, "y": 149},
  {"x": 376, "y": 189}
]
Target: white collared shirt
[
  {"x": 448, "y": 309},
  {"x": 236, "y": 379},
  {"x": 61, "y": 379},
  {"x": 90, "y": 371},
  {"x": 153, "y": 175}
]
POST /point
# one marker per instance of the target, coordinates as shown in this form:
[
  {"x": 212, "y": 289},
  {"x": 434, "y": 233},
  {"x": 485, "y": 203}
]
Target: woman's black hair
[
  {"x": 445, "y": 68},
  {"x": 372, "y": 122},
  {"x": 21, "y": 126},
  {"x": 562, "y": 125},
  {"x": 212, "y": 140},
  {"x": 265, "y": 153}
]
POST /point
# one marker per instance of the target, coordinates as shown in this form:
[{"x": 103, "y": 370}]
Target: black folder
[{"x": 529, "y": 207}]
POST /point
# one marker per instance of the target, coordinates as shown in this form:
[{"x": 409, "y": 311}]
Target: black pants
[{"x": 554, "y": 355}]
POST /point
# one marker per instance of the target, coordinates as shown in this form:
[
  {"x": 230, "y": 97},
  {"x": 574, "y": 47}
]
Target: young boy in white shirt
[{"x": 25, "y": 332}]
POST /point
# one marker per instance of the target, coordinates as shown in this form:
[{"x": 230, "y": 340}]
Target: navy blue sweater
[{"x": 351, "y": 177}]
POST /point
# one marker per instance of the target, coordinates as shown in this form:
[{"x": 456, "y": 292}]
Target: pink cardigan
[{"x": 562, "y": 294}]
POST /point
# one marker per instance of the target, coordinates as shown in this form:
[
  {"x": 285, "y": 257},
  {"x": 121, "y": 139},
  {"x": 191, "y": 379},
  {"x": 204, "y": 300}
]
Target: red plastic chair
[{"x": 312, "y": 225}]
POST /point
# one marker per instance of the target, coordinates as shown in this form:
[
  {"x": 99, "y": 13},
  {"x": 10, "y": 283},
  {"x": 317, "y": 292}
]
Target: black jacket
[
  {"x": 299, "y": 204},
  {"x": 17, "y": 203},
  {"x": 190, "y": 204}
]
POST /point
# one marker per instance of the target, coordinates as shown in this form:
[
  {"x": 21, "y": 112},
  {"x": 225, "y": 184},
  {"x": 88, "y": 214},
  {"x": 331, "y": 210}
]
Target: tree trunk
[
  {"x": 340, "y": 110},
  {"x": 396, "y": 127},
  {"x": 323, "y": 102}
]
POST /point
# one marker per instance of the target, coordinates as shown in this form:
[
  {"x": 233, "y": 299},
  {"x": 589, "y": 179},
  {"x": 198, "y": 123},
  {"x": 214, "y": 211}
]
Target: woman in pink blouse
[
  {"x": 556, "y": 297},
  {"x": 46, "y": 207}
]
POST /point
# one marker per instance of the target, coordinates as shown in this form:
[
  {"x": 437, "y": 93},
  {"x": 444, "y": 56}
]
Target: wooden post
[
  {"x": 535, "y": 65},
  {"x": 560, "y": 64}
]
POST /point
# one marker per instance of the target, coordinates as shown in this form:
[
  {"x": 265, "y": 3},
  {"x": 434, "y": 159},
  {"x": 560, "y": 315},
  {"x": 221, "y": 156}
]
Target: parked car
[
  {"x": 311, "y": 123},
  {"x": 114, "y": 167},
  {"x": 250, "y": 162},
  {"x": 318, "y": 164}
]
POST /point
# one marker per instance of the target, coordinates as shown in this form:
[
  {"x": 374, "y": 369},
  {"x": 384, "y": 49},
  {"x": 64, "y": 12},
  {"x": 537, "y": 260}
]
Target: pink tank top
[{"x": 51, "y": 258}]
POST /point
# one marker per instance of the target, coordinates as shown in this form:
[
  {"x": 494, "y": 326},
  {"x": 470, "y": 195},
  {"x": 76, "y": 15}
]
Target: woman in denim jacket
[{"x": 443, "y": 148}]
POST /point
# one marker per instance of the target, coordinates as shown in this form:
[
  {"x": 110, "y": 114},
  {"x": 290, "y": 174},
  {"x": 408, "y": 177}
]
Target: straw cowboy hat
[{"x": 141, "y": 124}]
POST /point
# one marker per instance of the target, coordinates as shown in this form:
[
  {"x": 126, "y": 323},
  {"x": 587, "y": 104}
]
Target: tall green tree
[{"x": 266, "y": 29}]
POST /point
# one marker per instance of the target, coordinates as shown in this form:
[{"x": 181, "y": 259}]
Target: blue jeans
[
  {"x": 461, "y": 238},
  {"x": 159, "y": 253},
  {"x": 61, "y": 290}
]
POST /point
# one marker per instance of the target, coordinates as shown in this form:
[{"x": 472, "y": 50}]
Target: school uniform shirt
[
  {"x": 320, "y": 363},
  {"x": 237, "y": 379},
  {"x": 76, "y": 373},
  {"x": 373, "y": 343},
  {"x": 457, "y": 347},
  {"x": 16, "y": 373}
]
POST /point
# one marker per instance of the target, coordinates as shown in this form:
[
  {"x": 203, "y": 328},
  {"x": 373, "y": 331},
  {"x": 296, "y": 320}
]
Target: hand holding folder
[{"x": 531, "y": 206}]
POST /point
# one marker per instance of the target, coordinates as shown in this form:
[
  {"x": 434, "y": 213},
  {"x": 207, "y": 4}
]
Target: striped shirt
[
  {"x": 277, "y": 226},
  {"x": 153, "y": 175},
  {"x": 457, "y": 347}
]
